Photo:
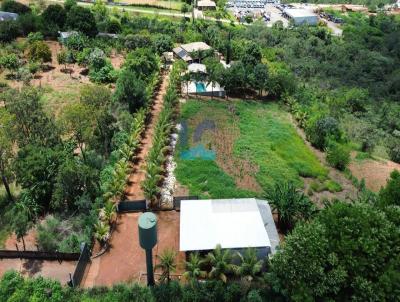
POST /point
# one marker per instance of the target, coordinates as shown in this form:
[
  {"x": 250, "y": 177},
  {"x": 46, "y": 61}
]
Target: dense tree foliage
[
  {"x": 130, "y": 90},
  {"x": 14, "y": 7},
  {"x": 349, "y": 252},
  {"x": 54, "y": 15},
  {"x": 81, "y": 19}
]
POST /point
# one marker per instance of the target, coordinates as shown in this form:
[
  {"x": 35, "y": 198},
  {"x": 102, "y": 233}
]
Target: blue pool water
[{"x": 200, "y": 87}]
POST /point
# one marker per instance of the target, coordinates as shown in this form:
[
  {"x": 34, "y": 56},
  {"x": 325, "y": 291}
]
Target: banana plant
[{"x": 102, "y": 232}]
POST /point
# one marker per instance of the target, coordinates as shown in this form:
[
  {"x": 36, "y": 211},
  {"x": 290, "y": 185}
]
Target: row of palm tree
[
  {"x": 157, "y": 157},
  {"x": 219, "y": 264},
  {"x": 115, "y": 176}
]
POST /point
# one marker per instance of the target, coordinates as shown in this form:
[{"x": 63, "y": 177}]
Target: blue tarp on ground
[{"x": 198, "y": 151}]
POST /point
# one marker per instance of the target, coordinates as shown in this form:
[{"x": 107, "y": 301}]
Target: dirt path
[
  {"x": 121, "y": 262},
  {"x": 349, "y": 192},
  {"x": 138, "y": 174}
]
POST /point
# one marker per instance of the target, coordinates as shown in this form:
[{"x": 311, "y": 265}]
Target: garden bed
[{"x": 254, "y": 146}]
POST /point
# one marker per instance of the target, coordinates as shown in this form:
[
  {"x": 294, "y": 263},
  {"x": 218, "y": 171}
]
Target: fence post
[{"x": 71, "y": 280}]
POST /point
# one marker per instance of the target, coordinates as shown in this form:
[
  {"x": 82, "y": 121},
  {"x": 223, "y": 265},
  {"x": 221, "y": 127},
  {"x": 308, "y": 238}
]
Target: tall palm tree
[
  {"x": 167, "y": 264},
  {"x": 193, "y": 268},
  {"x": 220, "y": 262},
  {"x": 249, "y": 266}
]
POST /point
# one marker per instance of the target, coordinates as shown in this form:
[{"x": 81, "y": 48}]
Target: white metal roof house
[
  {"x": 233, "y": 223},
  {"x": 206, "y": 4},
  {"x": 301, "y": 16},
  {"x": 183, "y": 52},
  {"x": 4, "y": 16}
]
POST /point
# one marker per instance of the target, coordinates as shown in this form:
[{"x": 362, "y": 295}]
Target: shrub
[
  {"x": 162, "y": 43},
  {"x": 10, "y": 62},
  {"x": 113, "y": 26},
  {"x": 390, "y": 195},
  {"x": 35, "y": 36},
  {"x": 39, "y": 52},
  {"x": 393, "y": 146},
  {"x": 105, "y": 74},
  {"x": 81, "y": 19},
  {"x": 33, "y": 67},
  {"x": 15, "y": 7},
  {"x": 338, "y": 156},
  {"x": 322, "y": 130},
  {"x": 49, "y": 234},
  {"x": 137, "y": 41},
  {"x": 76, "y": 41},
  {"x": 31, "y": 23},
  {"x": 9, "y": 30},
  {"x": 54, "y": 14},
  {"x": 130, "y": 91}
]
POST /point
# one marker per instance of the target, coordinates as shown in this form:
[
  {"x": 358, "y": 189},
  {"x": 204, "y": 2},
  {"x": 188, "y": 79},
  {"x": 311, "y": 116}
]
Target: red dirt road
[{"x": 138, "y": 174}]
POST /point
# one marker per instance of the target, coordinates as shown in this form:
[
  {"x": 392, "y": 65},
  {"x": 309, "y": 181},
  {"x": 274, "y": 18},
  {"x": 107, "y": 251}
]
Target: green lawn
[
  {"x": 206, "y": 180},
  {"x": 269, "y": 138},
  {"x": 266, "y": 138}
]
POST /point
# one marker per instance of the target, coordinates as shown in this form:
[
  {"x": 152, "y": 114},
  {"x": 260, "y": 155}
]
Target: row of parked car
[
  {"x": 247, "y": 4},
  {"x": 331, "y": 18},
  {"x": 282, "y": 7}
]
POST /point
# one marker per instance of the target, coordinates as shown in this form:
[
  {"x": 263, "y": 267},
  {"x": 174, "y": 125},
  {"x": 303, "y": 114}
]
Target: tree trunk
[
  {"x": 7, "y": 187},
  {"x": 212, "y": 90},
  {"x": 23, "y": 242}
]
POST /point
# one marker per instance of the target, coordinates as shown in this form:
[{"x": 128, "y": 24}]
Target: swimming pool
[{"x": 200, "y": 87}]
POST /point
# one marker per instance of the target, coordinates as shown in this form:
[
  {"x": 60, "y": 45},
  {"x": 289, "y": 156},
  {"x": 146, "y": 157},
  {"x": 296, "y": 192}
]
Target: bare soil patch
[
  {"x": 30, "y": 241},
  {"x": 375, "y": 172},
  {"x": 126, "y": 260},
  {"x": 34, "y": 268}
]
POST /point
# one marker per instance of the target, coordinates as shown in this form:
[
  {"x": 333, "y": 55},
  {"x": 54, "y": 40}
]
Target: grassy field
[
  {"x": 176, "y": 5},
  {"x": 255, "y": 146}
]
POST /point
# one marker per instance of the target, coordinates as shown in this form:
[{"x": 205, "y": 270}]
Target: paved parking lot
[{"x": 268, "y": 9}]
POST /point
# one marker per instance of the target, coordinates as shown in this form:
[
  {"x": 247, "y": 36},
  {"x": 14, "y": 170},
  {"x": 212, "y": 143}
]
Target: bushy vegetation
[
  {"x": 71, "y": 167},
  {"x": 334, "y": 255},
  {"x": 337, "y": 257},
  {"x": 13, "y": 287}
]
